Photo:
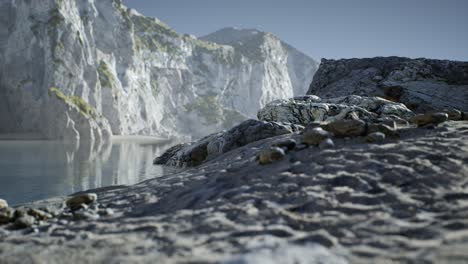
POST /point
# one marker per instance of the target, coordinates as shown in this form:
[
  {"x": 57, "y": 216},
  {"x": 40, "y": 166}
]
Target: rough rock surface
[
  {"x": 83, "y": 69},
  {"x": 421, "y": 84},
  {"x": 308, "y": 109},
  {"x": 216, "y": 144},
  {"x": 398, "y": 201}
]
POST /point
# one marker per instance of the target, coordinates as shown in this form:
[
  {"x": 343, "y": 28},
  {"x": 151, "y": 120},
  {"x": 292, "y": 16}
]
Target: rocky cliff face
[
  {"x": 88, "y": 69},
  {"x": 421, "y": 84}
]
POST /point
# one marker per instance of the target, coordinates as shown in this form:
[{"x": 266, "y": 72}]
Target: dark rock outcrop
[
  {"x": 212, "y": 146},
  {"x": 421, "y": 84}
]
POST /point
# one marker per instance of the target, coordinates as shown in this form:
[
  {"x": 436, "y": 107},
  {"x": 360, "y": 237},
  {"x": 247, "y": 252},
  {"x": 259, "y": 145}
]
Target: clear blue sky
[{"x": 331, "y": 28}]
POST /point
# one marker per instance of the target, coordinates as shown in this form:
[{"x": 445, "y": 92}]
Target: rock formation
[
  {"x": 86, "y": 69},
  {"x": 216, "y": 144},
  {"x": 421, "y": 84},
  {"x": 308, "y": 109},
  {"x": 289, "y": 116}
]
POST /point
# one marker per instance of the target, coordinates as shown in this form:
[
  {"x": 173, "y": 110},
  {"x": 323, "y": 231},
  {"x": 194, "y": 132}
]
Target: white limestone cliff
[{"x": 88, "y": 69}]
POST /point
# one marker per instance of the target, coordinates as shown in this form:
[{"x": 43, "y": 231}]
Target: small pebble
[
  {"x": 3, "y": 204},
  {"x": 454, "y": 114},
  {"x": 107, "y": 211},
  {"x": 288, "y": 144},
  {"x": 6, "y": 215},
  {"x": 315, "y": 136},
  {"x": 77, "y": 202},
  {"x": 84, "y": 215},
  {"x": 430, "y": 118},
  {"x": 382, "y": 128},
  {"x": 327, "y": 144},
  {"x": 375, "y": 137},
  {"x": 39, "y": 214},
  {"x": 346, "y": 128},
  {"x": 20, "y": 212},
  {"x": 270, "y": 155},
  {"x": 25, "y": 221}
]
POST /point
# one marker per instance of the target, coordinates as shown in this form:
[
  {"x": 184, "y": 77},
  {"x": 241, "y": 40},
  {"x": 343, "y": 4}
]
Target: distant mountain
[
  {"x": 249, "y": 40},
  {"x": 88, "y": 69}
]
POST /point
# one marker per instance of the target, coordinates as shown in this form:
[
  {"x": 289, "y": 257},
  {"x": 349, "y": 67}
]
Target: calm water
[{"x": 33, "y": 170}]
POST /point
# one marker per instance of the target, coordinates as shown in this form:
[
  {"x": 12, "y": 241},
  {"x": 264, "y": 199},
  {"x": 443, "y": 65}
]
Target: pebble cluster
[
  {"x": 321, "y": 134},
  {"x": 79, "y": 207}
]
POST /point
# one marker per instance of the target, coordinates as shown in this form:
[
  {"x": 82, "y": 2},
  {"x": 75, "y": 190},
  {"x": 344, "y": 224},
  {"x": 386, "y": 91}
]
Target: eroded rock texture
[
  {"x": 308, "y": 109},
  {"x": 216, "y": 144},
  {"x": 421, "y": 84}
]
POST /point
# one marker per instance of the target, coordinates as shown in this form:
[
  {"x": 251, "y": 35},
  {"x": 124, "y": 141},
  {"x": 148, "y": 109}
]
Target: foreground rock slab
[
  {"x": 400, "y": 201},
  {"x": 249, "y": 131}
]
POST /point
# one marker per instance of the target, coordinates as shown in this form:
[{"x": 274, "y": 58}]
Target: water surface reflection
[{"x": 33, "y": 170}]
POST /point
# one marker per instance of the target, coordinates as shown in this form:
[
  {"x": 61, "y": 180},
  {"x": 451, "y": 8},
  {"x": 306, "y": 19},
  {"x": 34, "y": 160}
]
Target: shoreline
[
  {"x": 22, "y": 136},
  {"x": 114, "y": 139},
  {"x": 140, "y": 139}
]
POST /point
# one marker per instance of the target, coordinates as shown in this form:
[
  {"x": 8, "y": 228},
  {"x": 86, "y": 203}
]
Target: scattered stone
[
  {"x": 6, "y": 215},
  {"x": 25, "y": 221},
  {"x": 51, "y": 210},
  {"x": 3, "y": 204},
  {"x": 85, "y": 215},
  {"x": 454, "y": 114},
  {"x": 375, "y": 137},
  {"x": 288, "y": 144},
  {"x": 327, "y": 144},
  {"x": 430, "y": 118},
  {"x": 346, "y": 128},
  {"x": 77, "y": 202},
  {"x": 271, "y": 155},
  {"x": 20, "y": 212},
  {"x": 315, "y": 136},
  {"x": 39, "y": 214},
  {"x": 107, "y": 211},
  {"x": 382, "y": 128}
]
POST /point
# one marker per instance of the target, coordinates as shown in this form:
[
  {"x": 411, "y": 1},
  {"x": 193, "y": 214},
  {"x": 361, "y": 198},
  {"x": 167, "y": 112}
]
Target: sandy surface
[{"x": 403, "y": 200}]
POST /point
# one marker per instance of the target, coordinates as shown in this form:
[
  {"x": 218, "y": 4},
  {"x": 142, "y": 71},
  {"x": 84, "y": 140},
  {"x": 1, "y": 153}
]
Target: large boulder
[
  {"x": 421, "y": 84},
  {"x": 308, "y": 109},
  {"x": 216, "y": 144}
]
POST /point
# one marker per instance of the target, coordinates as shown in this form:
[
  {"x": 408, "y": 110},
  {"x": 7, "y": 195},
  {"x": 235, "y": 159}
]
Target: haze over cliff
[{"x": 89, "y": 69}]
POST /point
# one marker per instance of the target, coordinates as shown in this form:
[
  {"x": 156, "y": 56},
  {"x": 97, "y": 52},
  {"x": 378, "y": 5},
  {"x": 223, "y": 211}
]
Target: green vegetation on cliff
[
  {"x": 153, "y": 35},
  {"x": 105, "y": 76},
  {"x": 84, "y": 108}
]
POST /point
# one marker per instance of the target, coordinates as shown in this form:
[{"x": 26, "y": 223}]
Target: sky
[{"x": 330, "y": 29}]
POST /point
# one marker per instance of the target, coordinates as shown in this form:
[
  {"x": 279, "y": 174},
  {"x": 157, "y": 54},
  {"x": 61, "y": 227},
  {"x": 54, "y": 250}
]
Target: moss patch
[
  {"x": 105, "y": 76},
  {"x": 151, "y": 35},
  {"x": 84, "y": 108}
]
